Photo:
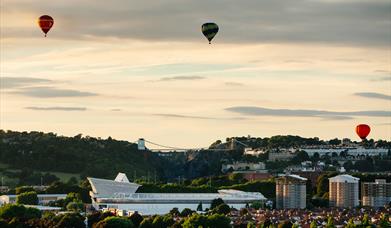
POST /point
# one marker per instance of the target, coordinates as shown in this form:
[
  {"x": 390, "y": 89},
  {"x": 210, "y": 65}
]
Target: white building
[
  {"x": 353, "y": 151},
  {"x": 42, "y": 198},
  {"x": 343, "y": 191},
  {"x": 243, "y": 166},
  {"x": 291, "y": 192},
  {"x": 121, "y": 194}
]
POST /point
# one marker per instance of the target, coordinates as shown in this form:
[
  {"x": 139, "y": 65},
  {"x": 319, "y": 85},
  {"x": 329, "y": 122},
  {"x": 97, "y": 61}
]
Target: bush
[{"x": 28, "y": 198}]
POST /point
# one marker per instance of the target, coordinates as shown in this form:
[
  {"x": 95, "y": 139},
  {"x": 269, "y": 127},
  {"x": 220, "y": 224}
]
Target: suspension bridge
[{"x": 157, "y": 147}]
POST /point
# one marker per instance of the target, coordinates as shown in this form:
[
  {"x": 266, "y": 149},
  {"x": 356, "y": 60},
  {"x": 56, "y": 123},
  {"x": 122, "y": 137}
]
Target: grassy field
[{"x": 12, "y": 182}]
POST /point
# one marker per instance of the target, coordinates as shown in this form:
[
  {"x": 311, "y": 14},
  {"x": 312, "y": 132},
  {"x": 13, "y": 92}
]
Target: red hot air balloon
[
  {"x": 45, "y": 22},
  {"x": 363, "y": 130}
]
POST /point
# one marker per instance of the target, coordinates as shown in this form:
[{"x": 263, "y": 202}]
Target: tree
[
  {"x": 23, "y": 189},
  {"x": 223, "y": 209},
  {"x": 216, "y": 202},
  {"x": 251, "y": 225},
  {"x": 300, "y": 157},
  {"x": 199, "y": 207},
  {"x": 28, "y": 198},
  {"x": 285, "y": 224},
  {"x": 350, "y": 224},
  {"x": 136, "y": 219},
  {"x": 115, "y": 222},
  {"x": 195, "y": 221},
  {"x": 174, "y": 211},
  {"x": 256, "y": 205},
  {"x": 384, "y": 221},
  {"x": 219, "y": 221},
  {"x": 146, "y": 223},
  {"x": 186, "y": 212},
  {"x": 365, "y": 221},
  {"x": 330, "y": 223},
  {"x": 75, "y": 206},
  {"x": 73, "y": 220}
]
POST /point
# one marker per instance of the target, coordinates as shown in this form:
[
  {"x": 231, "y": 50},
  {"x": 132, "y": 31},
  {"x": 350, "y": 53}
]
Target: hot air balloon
[
  {"x": 209, "y": 30},
  {"x": 45, "y": 22},
  {"x": 363, "y": 130}
]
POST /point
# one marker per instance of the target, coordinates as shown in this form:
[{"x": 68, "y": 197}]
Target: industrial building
[
  {"x": 376, "y": 194},
  {"x": 343, "y": 191},
  {"x": 291, "y": 192},
  {"x": 43, "y": 199},
  {"x": 121, "y": 194}
]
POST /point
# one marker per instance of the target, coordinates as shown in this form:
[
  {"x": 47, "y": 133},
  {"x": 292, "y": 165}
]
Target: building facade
[
  {"x": 343, "y": 191},
  {"x": 291, "y": 192},
  {"x": 376, "y": 194}
]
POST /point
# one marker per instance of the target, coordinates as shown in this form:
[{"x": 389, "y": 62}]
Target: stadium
[{"x": 121, "y": 194}]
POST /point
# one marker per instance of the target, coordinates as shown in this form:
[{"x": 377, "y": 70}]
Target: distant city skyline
[{"x": 131, "y": 69}]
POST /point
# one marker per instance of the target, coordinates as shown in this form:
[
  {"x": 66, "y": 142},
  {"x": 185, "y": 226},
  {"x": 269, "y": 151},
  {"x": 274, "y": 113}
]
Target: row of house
[{"x": 343, "y": 192}]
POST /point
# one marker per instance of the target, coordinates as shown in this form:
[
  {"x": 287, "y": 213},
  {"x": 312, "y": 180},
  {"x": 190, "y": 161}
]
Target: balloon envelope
[
  {"x": 45, "y": 22},
  {"x": 209, "y": 30},
  {"x": 363, "y": 130}
]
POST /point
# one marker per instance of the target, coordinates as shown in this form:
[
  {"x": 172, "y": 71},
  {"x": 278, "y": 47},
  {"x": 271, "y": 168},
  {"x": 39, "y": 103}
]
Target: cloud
[
  {"x": 182, "y": 78},
  {"x": 387, "y": 78},
  {"x": 16, "y": 82},
  {"x": 234, "y": 84},
  {"x": 49, "y": 92},
  {"x": 260, "y": 111},
  {"x": 194, "y": 117},
  {"x": 374, "y": 95},
  {"x": 56, "y": 108},
  {"x": 183, "y": 116},
  {"x": 341, "y": 22}
]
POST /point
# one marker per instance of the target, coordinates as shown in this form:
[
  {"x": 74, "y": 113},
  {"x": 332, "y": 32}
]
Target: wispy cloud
[
  {"x": 56, "y": 108},
  {"x": 50, "y": 92},
  {"x": 183, "y": 116},
  {"x": 195, "y": 117},
  {"x": 238, "y": 84},
  {"x": 16, "y": 82},
  {"x": 374, "y": 95},
  {"x": 260, "y": 111},
  {"x": 181, "y": 78}
]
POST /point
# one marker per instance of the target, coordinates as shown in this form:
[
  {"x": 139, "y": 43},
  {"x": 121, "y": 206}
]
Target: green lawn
[{"x": 64, "y": 177}]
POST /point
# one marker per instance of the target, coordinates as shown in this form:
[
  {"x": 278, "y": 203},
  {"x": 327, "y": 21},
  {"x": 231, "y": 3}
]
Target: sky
[{"x": 142, "y": 69}]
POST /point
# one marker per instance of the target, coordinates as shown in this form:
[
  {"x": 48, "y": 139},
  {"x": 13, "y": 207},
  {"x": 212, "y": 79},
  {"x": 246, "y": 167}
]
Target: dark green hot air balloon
[{"x": 209, "y": 30}]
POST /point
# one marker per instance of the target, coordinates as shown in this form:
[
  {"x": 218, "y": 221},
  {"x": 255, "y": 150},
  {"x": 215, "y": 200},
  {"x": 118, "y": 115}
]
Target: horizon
[{"x": 133, "y": 69}]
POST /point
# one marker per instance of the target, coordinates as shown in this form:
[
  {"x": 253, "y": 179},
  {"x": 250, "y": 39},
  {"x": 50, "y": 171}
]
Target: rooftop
[{"x": 344, "y": 178}]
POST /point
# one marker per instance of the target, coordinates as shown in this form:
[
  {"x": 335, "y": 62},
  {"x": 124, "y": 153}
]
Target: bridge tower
[{"x": 141, "y": 144}]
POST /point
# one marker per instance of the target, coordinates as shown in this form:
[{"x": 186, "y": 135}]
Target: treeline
[
  {"x": 288, "y": 141},
  {"x": 212, "y": 185},
  {"x": 87, "y": 156}
]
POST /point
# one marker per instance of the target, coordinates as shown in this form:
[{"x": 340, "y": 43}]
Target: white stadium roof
[{"x": 108, "y": 188}]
